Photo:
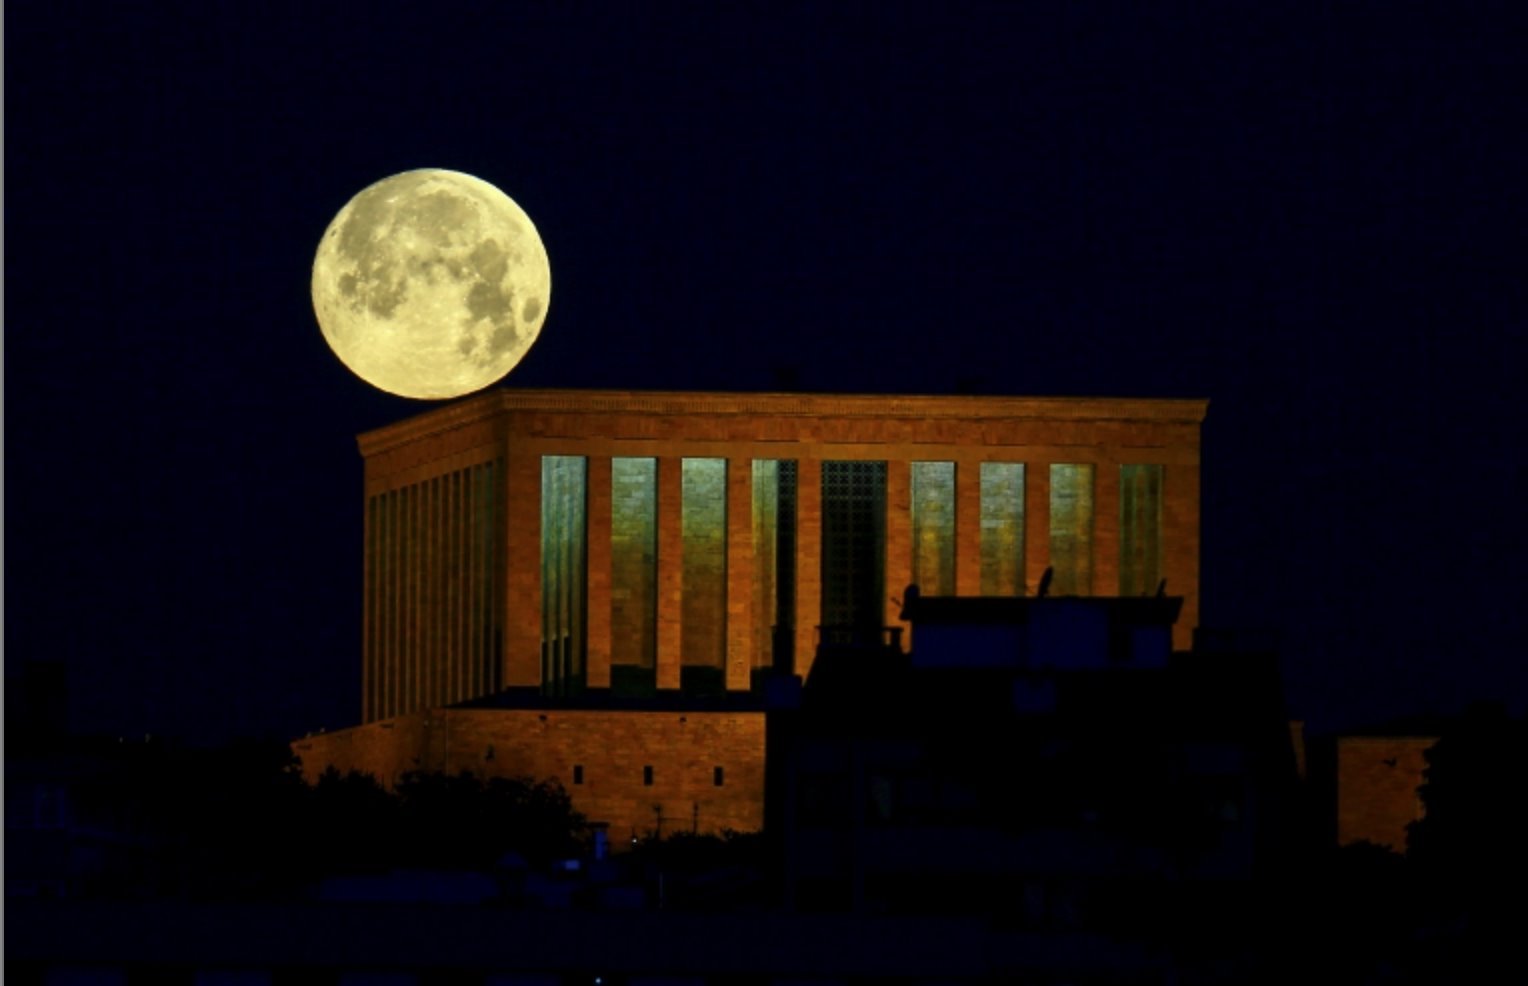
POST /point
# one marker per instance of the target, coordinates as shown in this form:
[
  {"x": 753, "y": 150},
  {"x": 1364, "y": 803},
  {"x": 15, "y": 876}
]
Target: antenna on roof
[{"x": 1045, "y": 581}]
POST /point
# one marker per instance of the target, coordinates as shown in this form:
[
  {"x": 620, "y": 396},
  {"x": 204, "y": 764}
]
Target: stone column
[
  {"x": 968, "y": 528},
  {"x": 597, "y": 521},
  {"x": 808, "y": 561},
  {"x": 1180, "y": 548},
  {"x": 1106, "y": 528},
  {"x": 899, "y": 540},
  {"x": 740, "y": 573},
  {"x": 369, "y": 649},
  {"x": 522, "y": 582},
  {"x": 1036, "y": 524},
  {"x": 451, "y": 605},
  {"x": 408, "y": 691},
  {"x": 670, "y": 568}
]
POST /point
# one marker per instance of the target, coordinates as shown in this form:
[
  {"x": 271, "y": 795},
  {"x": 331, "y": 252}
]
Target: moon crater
[{"x": 431, "y": 284}]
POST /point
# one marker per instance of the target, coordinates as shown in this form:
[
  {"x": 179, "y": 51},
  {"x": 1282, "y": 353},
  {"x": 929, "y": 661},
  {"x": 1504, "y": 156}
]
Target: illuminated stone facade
[
  {"x": 547, "y": 538},
  {"x": 1377, "y": 778},
  {"x": 640, "y": 771},
  {"x": 648, "y": 544}
]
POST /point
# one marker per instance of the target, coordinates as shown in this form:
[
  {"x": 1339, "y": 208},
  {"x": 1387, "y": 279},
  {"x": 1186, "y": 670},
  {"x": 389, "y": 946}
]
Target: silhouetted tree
[
  {"x": 1468, "y": 849},
  {"x": 462, "y": 821},
  {"x": 240, "y": 822},
  {"x": 353, "y": 824},
  {"x": 243, "y": 823},
  {"x": 1473, "y": 799},
  {"x": 696, "y": 852},
  {"x": 214, "y": 823},
  {"x": 702, "y": 871}
]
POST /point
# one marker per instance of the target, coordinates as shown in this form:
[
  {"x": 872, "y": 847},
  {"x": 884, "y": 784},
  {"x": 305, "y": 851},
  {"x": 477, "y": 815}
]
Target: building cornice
[{"x": 503, "y": 401}]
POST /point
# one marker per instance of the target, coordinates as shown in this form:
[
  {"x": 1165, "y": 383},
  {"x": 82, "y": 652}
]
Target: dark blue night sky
[{"x": 1313, "y": 218}]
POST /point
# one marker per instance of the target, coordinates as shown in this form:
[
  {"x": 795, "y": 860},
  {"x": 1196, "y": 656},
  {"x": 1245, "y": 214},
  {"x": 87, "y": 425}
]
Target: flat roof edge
[{"x": 668, "y": 402}]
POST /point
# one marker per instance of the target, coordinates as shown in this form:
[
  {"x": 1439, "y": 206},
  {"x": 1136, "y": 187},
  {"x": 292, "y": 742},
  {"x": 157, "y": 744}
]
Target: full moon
[{"x": 431, "y": 284}]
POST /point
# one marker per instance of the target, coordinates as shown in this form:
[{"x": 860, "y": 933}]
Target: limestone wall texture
[
  {"x": 600, "y": 757},
  {"x": 1377, "y": 781}
]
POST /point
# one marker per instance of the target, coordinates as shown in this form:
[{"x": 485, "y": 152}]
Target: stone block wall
[
  {"x": 1377, "y": 781},
  {"x": 641, "y": 772}
]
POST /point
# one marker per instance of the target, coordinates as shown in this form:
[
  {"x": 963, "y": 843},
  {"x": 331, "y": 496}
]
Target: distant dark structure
[
  {"x": 1052, "y": 763},
  {"x": 613, "y": 585}
]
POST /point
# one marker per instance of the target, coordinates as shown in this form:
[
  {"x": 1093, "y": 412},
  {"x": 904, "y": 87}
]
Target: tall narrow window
[
  {"x": 853, "y": 545},
  {"x": 1002, "y": 519},
  {"x": 703, "y": 585},
  {"x": 1140, "y": 529},
  {"x": 1071, "y": 528},
  {"x": 563, "y": 566},
  {"x": 933, "y": 509},
  {"x": 633, "y": 572},
  {"x": 774, "y": 559}
]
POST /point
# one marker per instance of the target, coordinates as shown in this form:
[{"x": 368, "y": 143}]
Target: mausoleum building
[{"x": 559, "y": 566}]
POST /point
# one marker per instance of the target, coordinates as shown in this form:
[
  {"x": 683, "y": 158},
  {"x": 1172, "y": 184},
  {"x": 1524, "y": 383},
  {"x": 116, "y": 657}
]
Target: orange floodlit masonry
[{"x": 594, "y": 586}]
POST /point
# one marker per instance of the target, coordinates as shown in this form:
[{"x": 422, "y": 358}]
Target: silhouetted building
[
  {"x": 1049, "y": 759},
  {"x": 595, "y": 586}
]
